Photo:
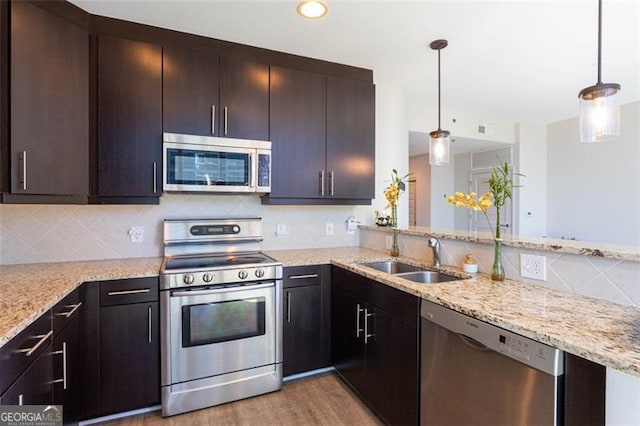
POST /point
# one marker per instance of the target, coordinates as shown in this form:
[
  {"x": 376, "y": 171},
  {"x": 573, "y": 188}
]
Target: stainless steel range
[{"x": 221, "y": 314}]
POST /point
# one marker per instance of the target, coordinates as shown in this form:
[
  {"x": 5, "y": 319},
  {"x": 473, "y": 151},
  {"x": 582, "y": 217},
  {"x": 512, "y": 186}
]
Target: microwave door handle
[
  {"x": 253, "y": 169},
  {"x": 219, "y": 290}
]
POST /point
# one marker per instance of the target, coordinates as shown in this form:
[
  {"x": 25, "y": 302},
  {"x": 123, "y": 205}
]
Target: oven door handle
[{"x": 219, "y": 290}]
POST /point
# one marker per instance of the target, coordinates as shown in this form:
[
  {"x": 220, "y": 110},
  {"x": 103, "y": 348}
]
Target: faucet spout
[{"x": 434, "y": 243}]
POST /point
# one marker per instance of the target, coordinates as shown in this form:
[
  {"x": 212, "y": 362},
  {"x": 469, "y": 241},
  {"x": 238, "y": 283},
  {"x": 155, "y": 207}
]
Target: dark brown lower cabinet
[
  {"x": 130, "y": 357},
  {"x": 375, "y": 344},
  {"x": 67, "y": 372},
  {"x": 34, "y": 386}
]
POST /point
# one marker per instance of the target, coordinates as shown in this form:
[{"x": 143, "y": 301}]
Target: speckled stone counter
[
  {"x": 31, "y": 289},
  {"x": 601, "y": 331}
]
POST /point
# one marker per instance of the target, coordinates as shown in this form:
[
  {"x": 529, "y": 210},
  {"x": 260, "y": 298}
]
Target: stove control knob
[
  {"x": 243, "y": 275},
  {"x": 188, "y": 279},
  {"x": 259, "y": 273},
  {"x": 207, "y": 277}
]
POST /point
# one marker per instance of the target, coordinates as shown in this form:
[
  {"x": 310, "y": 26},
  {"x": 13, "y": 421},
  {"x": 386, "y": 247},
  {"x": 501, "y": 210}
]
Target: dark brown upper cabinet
[
  {"x": 298, "y": 133},
  {"x": 209, "y": 95},
  {"x": 350, "y": 138},
  {"x": 323, "y": 133},
  {"x": 129, "y": 120},
  {"x": 49, "y": 105}
]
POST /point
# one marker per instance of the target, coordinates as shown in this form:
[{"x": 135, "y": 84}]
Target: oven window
[
  {"x": 207, "y": 168},
  {"x": 222, "y": 321}
]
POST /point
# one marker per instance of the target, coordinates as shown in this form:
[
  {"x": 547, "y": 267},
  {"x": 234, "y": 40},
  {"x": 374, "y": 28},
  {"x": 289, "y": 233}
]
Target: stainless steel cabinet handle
[
  {"x": 301, "y": 277},
  {"x": 218, "y": 291},
  {"x": 213, "y": 119},
  {"x": 288, "y": 306},
  {"x": 24, "y": 170},
  {"x": 226, "y": 114},
  {"x": 43, "y": 338},
  {"x": 155, "y": 177},
  {"x": 331, "y": 183},
  {"x": 123, "y": 292},
  {"x": 358, "y": 329},
  {"x": 62, "y": 352},
  {"x": 322, "y": 183},
  {"x": 366, "y": 326},
  {"x": 68, "y": 314},
  {"x": 20, "y": 399},
  {"x": 149, "y": 323}
]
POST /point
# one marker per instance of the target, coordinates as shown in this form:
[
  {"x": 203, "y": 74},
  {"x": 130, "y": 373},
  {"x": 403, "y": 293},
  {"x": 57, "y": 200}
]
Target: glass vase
[
  {"x": 497, "y": 270},
  {"x": 395, "y": 250}
]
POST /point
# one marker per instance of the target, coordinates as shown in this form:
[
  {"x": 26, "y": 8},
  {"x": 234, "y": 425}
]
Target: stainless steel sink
[
  {"x": 393, "y": 267},
  {"x": 428, "y": 277}
]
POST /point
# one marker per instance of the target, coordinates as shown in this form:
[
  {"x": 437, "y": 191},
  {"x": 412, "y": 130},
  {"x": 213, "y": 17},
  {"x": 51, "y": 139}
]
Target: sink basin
[
  {"x": 392, "y": 267},
  {"x": 428, "y": 277}
]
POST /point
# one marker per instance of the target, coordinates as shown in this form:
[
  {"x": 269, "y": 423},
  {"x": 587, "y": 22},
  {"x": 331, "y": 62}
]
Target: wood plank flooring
[{"x": 317, "y": 400}]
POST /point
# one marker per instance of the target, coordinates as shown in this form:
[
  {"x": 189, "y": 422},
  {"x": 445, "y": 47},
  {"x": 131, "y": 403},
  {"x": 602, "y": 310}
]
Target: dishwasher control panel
[{"x": 533, "y": 353}]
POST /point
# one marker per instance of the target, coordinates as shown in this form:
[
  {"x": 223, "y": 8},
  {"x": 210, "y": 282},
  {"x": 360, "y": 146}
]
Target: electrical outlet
[
  {"x": 136, "y": 234},
  {"x": 328, "y": 228},
  {"x": 281, "y": 230},
  {"x": 533, "y": 266}
]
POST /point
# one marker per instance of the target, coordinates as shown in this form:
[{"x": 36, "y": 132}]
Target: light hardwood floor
[{"x": 318, "y": 400}]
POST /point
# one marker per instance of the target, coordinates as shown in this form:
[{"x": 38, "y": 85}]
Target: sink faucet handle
[{"x": 435, "y": 246}]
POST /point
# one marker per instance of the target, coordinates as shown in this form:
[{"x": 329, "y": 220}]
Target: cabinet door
[
  {"x": 347, "y": 338},
  {"x": 392, "y": 368},
  {"x": 298, "y": 133},
  {"x": 244, "y": 99},
  {"x": 49, "y": 74},
  {"x": 190, "y": 92},
  {"x": 130, "y": 357},
  {"x": 302, "y": 330},
  {"x": 34, "y": 387},
  {"x": 350, "y": 138},
  {"x": 129, "y": 118},
  {"x": 67, "y": 370}
]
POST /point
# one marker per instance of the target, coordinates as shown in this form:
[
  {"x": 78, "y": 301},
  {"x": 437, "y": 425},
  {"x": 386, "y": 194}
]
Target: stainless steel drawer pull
[
  {"x": 226, "y": 114},
  {"x": 302, "y": 277},
  {"x": 288, "y": 306},
  {"x": 366, "y": 326},
  {"x": 43, "y": 338},
  {"x": 358, "y": 329},
  {"x": 24, "y": 170},
  {"x": 149, "y": 324},
  {"x": 331, "y": 183},
  {"x": 20, "y": 399},
  {"x": 124, "y": 292},
  {"x": 213, "y": 119},
  {"x": 155, "y": 177},
  {"x": 62, "y": 352},
  {"x": 68, "y": 314},
  {"x": 322, "y": 183}
]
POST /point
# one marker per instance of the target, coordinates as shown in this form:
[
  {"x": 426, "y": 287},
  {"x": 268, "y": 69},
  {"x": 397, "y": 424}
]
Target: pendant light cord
[
  {"x": 599, "y": 42},
  {"x": 439, "y": 89}
]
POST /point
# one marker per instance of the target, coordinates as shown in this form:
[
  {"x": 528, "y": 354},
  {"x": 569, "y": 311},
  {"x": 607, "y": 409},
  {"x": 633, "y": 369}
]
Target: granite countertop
[
  {"x": 29, "y": 290},
  {"x": 585, "y": 248},
  {"x": 601, "y": 331}
]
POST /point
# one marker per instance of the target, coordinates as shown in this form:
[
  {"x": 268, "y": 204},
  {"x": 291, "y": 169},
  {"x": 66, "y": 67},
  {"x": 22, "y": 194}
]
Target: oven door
[
  {"x": 198, "y": 168},
  {"x": 217, "y": 331}
]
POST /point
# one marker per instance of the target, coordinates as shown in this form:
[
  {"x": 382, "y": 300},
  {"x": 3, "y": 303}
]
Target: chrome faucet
[{"x": 435, "y": 246}]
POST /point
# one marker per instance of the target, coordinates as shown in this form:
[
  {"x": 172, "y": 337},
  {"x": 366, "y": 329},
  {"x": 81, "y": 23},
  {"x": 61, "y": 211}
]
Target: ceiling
[{"x": 506, "y": 60}]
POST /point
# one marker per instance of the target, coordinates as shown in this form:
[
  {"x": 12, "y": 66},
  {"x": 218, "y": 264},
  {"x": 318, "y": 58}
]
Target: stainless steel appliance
[
  {"x": 476, "y": 373},
  {"x": 212, "y": 164},
  {"x": 221, "y": 314}
]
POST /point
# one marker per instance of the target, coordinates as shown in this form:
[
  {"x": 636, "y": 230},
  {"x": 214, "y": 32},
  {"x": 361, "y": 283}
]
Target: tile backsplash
[
  {"x": 613, "y": 280},
  {"x": 56, "y": 233}
]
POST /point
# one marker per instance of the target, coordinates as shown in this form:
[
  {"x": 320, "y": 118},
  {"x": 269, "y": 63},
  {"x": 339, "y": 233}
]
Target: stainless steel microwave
[{"x": 211, "y": 164}]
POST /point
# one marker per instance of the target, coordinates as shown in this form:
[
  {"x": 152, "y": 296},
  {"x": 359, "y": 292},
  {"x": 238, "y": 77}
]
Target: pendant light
[
  {"x": 439, "y": 140},
  {"x": 599, "y": 109}
]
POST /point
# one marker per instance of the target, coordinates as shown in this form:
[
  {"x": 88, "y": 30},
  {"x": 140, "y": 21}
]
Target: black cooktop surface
[{"x": 215, "y": 261}]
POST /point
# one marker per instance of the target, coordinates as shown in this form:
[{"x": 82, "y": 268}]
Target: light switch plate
[{"x": 533, "y": 266}]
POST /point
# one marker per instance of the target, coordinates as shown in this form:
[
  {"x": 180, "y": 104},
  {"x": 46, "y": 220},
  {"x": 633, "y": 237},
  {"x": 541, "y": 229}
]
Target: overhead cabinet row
[{"x": 90, "y": 127}]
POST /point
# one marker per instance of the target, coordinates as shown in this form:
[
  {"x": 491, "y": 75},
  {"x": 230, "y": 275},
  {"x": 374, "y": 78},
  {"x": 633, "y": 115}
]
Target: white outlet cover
[
  {"x": 136, "y": 234},
  {"x": 281, "y": 230},
  {"x": 533, "y": 266},
  {"x": 328, "y": 228}
]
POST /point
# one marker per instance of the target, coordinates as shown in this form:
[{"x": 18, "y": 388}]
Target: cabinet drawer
[
  {"x": 65, "y": 310},
  {"x": 298, "y": 276},
  {"x": 23, "y": 349},
  {"x": 122, "y": 292}
]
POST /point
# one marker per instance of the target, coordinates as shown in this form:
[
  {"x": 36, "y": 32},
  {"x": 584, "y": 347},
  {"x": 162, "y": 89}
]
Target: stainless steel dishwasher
[{"x": 473, "y": 373}]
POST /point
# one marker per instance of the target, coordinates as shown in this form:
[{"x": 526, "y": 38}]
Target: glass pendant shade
[
  {"x": 439, "y": 145},
  {"x": 599, "y": 112}
]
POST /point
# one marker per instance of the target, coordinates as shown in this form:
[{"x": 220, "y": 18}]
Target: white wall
[
  {"x": 593, "y": 190},
  {"x": 419, "y": 166},
  {"x": 462, "y": 165},
  {"x": 442, "y": 186},
  {"x": 530, "y": 159}
]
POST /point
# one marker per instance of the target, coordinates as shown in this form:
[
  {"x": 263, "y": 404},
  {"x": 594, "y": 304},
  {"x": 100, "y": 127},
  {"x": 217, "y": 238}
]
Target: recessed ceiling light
[{"x": 312, "y": 9}]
